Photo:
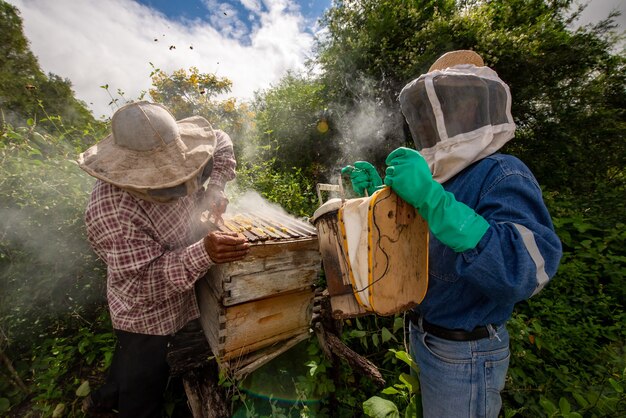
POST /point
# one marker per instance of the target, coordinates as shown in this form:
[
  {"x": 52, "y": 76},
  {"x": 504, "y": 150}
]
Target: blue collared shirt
[{"x": 516, "y": 257}]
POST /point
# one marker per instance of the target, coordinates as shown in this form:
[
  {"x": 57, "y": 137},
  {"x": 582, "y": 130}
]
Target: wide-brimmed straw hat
[
  {"x": 149, "y": 150},
  {"x": 452, "y": 58}
]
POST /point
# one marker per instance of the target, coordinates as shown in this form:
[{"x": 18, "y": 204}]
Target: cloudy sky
[{"x": 114, "y": 42}]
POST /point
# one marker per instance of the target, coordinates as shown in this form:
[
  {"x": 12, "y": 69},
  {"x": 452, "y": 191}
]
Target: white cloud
[
  {"x": 599, "y": 9},
  {"x": 252, "y": 5},
  {"x": 97, "y": 42}
]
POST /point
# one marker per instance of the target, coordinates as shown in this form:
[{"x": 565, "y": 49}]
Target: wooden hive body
[
  {"x": 256, "y": 308},
  {"x": 399, "y": 253},
  {"x": 342, "y": 300}
]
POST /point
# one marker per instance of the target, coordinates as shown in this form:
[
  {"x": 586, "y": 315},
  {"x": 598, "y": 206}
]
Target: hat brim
[
  {"x": 166, "y": 166},
  {"x": 452, "y": 58}
]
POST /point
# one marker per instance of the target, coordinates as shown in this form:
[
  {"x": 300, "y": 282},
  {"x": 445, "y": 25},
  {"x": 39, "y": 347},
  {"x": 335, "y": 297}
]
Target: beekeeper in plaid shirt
[{"x": 142, "y": 221}]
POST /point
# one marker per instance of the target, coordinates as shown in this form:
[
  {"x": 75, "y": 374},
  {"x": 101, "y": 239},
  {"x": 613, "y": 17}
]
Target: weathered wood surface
[
  {"x": 260, "y": 301},
  {"x": 234, "y": 331},
  {"x": 356, "y": 361},
  {"x": 205, "y": 397},
  {"x": 346, "y": 306},
  {"x": 251, "y": 312},
  {"x": 189, "y": 349},
  {"x": 399, "y": 237},
  {"x": 190, "y": 358},
  {"x": 342, "y": 300},
  {"x": 212, "y": 315},
  {"x": 397, "y": 278},
  {"x": 257, "y": 324},
  {"x": 270, "y": 268},
  {"x": 257, "y": 359},
  {"x": 327, "y": 329},
  {"x": 250, "y": 287}
]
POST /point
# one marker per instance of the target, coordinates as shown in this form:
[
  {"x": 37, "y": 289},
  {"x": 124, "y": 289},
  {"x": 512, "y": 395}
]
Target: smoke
[
  {"x": 367, "y": 127},
  {"x": 370, "y": 129},
  {"x": 251, "y": 201},
  {"x": 47, "y": 267}
]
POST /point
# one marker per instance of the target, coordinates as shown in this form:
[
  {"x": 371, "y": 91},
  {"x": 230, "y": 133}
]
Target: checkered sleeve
[
  {"x": 143, "y": 269},
  {"x": 142, "y": 266},
  {"x": 224, "y": 163}
]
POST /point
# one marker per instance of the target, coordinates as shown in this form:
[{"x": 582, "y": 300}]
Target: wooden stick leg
[
  {"x": 331, "y": 343},
  {"x": 205, "y": 397}
]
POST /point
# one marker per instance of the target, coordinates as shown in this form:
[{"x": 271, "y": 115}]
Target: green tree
[
  {"x": 294, "y": 129},
  {"x": 25, "y": 91},
  {"x": 568, "y": 92},
  {"x": 567, "y": 85},
  {"x": 17, "y": 76},
  {"x": 191, "y": 92}
]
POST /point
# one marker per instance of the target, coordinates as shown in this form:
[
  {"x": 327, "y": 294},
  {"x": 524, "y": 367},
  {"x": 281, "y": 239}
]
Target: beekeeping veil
[{"x": 458, "y": 113}]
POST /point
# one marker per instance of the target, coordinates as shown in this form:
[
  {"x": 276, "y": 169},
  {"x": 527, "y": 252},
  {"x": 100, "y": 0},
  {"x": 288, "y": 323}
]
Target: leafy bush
[
  {"x": 52, "y": 284},
  {"x": 568, "y": 343},
  {"x": 293, "y": 191},
  {"x": 62, "y": 365}
]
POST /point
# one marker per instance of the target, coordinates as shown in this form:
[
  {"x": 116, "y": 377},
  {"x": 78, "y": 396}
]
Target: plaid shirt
[{"x": 152, "y": 251}]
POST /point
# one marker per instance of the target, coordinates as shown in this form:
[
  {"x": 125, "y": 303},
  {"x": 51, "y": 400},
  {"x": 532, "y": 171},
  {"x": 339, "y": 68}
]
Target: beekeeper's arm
[
  {"x": 221, "y": 170},
  {"x": 454, "y": 223},
  {"x": 141, "y": 267}
]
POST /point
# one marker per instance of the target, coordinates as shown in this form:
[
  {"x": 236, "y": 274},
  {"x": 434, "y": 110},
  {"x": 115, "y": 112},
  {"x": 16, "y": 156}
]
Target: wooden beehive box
[
  {"x": 398, "y": 252},
  {"x": 342, "y": 301},
  {"x": 254, "y": 309}
]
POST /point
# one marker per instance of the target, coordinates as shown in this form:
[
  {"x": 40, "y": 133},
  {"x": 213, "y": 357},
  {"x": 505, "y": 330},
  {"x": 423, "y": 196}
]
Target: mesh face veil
[{"x": 457, "y": 116}]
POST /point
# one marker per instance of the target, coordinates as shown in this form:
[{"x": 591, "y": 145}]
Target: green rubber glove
[
  {"x": 364, "y": 177},
  {"x": 454, "y": 223}
]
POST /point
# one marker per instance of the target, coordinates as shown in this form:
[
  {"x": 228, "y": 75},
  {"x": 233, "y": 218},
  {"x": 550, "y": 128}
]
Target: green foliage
[
  {"x": 51, "y": 281},
  {"x": 405, "y": 392},
  {"x": 24, "y": 87},
  {"x": 189, "y": 92},
  {"x": 58, "y": 362},
  {"x": 56, "y": 368},
  {"x": 46, "y": 263},
  {"x": 380, "y": 408},
  {"x": 290, "y": 385},
  {"x": 292, "y": 190},
  {"x": 568, "y": 92},
  {"x": 568, "y": 342},
  {"x": 293, "y": 128},
  {"x": 382, "y": 341}
]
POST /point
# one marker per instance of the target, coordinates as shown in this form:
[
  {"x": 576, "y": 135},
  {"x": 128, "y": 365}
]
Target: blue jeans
[{"x": 461, "y": 379}]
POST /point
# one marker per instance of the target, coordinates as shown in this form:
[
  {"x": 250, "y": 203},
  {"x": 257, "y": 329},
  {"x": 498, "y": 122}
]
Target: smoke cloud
[
  {"x": 47, "y": 267},
  {"x": 370, "y": 129}
]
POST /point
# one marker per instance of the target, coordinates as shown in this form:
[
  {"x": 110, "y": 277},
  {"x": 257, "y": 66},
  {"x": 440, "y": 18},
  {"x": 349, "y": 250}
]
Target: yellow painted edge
[
  {"x": 370, "y": 247},
  {"x": 370, "y": 220}
]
